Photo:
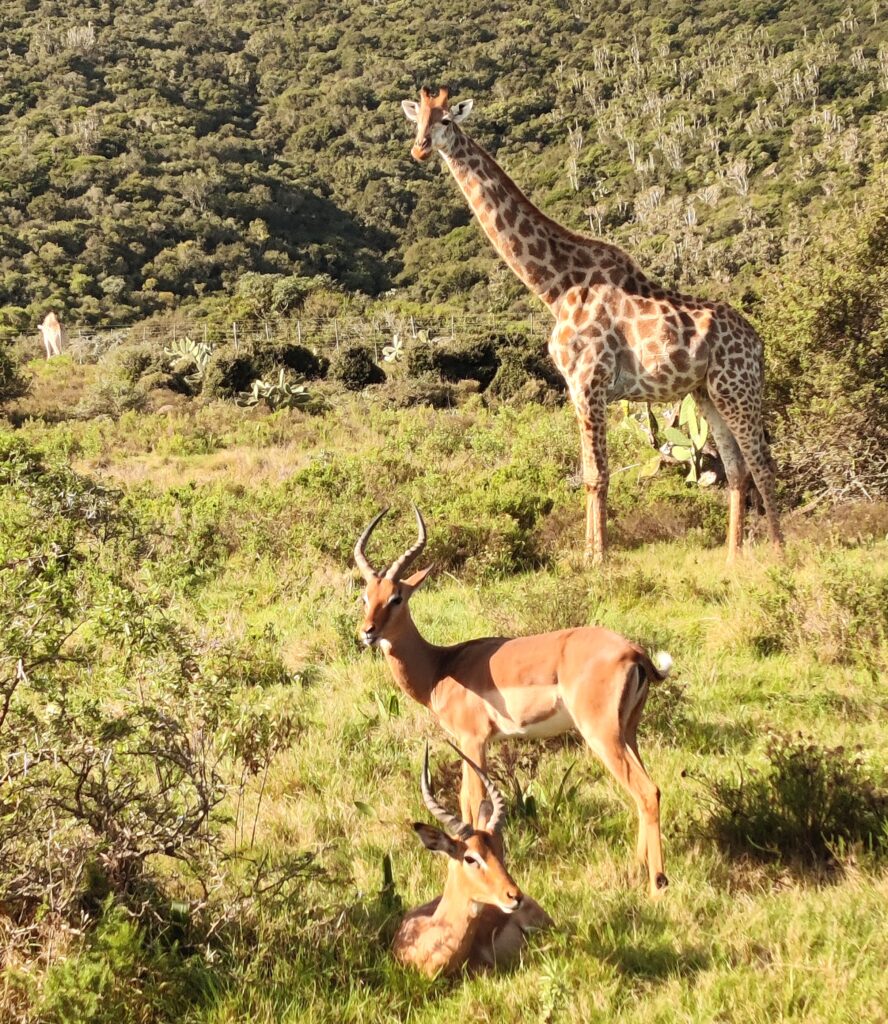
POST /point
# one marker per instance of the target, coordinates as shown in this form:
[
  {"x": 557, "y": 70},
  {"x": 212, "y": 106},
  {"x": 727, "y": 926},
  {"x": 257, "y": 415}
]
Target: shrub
[
  {"x": 271, "y": 357},
  {"x": 427, "y": 389},
  {"x": 228, "y": 372},
  {"x": 805, "y": 806},
  {"x": 12, "y": 384},
  {"x": 354, "y": 368},
  {"x": 475, "y": 359},
  {"x": 843, "y": 615},
  {"x": 118, "y": 738},
  {"x": 825, "y": 323}
]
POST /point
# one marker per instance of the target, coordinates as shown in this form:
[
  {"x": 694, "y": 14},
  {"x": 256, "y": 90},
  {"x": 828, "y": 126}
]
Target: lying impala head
[
  {"x": 434, "y": 119},
  {"x": 477, "y": 871},
  {"x": 386, "y": 596}
]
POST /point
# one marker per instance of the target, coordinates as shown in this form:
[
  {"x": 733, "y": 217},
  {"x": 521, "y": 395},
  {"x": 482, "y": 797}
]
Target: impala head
[
  {"x": 476, "y": 862},
  {"x": 386, "y": 596},
  {"x": 434, "y": 118}
]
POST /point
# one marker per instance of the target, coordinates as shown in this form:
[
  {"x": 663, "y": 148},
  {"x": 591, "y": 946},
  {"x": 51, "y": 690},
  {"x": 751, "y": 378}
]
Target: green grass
[{"x": 764, "y": 648}]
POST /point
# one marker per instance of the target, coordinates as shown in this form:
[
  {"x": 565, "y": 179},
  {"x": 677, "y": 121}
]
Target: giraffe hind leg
[
  {"x": 742, "y": 416},
  {"x": 736, "y": 470}
]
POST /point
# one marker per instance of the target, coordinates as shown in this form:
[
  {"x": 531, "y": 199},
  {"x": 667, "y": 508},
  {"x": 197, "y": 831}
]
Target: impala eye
[
  {"x": 395, "y": 600},
  {"x": 472, "y": 860},
  {"x": 445, "y": 120}
]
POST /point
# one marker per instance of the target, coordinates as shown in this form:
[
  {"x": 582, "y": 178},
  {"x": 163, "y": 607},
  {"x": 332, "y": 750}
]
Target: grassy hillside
[
  {"x": 154, "y": 155},
  {"x": 202, "y": 560}
]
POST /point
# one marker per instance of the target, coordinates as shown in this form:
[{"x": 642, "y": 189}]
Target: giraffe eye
[{"x": 445, "y": 120}]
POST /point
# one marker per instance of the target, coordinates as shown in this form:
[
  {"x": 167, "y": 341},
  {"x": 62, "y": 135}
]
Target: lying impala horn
[
  {"x": 455, "y": 826},
  {"x": 498, "y": 813}
]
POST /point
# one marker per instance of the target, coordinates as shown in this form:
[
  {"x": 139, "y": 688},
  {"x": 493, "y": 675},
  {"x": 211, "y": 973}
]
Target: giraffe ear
[
  {"x": 460, "y": 111},
  {"x": 411, "y": 110}
]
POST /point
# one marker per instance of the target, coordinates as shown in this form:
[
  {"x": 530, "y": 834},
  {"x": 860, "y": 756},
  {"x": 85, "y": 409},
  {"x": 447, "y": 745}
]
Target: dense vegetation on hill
[{"x": 151, "y": 154}]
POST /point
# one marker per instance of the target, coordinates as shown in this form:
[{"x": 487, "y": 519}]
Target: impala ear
[
  {"x": 411, "y": 110},
  {"x": 415, "y": 581},
  {"x": 435, "y": 840},
  {"x": 460, "y": 111},
  {"x": 485, "y": 813}
]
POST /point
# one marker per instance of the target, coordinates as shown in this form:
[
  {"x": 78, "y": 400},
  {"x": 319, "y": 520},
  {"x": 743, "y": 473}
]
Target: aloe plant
[
  {"x": 392, "y": 353},
  {"x": 278, "y": 394},
  {"x": 687, "y": 446},
  {"x": 185, "y": 353}
]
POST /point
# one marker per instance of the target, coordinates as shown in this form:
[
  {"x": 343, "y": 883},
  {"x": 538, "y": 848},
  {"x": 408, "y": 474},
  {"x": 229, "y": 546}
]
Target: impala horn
[
  {"x": 497, "y": 817},
  {"x": 400, "y": 564},
  {"x": 455, "y": 826},
  {"x": 367, "y": 570}
]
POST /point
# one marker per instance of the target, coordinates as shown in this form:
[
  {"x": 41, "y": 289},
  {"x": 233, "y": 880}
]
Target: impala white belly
[{"x": 558, "y": 722}]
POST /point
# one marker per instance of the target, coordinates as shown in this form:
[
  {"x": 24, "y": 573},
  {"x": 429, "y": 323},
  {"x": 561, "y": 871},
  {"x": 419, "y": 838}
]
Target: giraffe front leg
[{"x": 591, "y": 408}]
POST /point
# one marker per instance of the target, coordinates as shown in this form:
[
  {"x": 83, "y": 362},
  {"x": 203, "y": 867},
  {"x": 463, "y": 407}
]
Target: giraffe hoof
[{"x": 662, "y": 881}]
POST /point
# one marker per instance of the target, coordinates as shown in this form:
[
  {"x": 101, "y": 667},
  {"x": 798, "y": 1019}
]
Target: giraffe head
[{"x": 434, "y": 119}]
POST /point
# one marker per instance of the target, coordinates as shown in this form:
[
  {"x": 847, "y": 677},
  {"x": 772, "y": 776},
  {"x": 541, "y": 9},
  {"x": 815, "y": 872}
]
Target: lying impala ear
[
  {"x": 415, "y": 581},
  {"x": 485, "y": 813},
  {"x": 435, "y": 840}
]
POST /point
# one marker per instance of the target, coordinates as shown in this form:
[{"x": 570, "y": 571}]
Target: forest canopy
[{"x": 152, "y": 154}]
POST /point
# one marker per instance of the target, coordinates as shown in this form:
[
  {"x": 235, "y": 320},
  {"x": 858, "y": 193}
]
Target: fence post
[
  {"x": 234, "y": 329},
  {"x": 299, "y": 331},
  {"x": 267, "y": 332},
  {"x": 412, "y": 326},
  {"x": 336, "y": 330}
]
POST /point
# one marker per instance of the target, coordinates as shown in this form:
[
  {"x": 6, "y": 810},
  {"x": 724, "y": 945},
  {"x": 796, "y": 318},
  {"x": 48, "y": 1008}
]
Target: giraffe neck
[{"x": 547, "y": 257}]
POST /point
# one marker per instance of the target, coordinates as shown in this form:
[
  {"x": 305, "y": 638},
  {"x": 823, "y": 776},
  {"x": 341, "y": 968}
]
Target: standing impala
[
  {"x": 588, "y": 679},
  {"x": 482, "y": 917}
]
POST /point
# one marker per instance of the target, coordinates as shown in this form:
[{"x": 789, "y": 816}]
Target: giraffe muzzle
[{"x": 422, "y": 151}]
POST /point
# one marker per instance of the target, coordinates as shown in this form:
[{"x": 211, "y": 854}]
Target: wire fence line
[{"x": 323, "y": 334}]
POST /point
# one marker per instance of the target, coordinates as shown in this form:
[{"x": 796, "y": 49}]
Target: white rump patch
[{"x": 663, "y": 661}]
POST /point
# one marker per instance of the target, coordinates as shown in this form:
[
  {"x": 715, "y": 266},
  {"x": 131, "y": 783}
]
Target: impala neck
[
  {"x": 458, "y": 919},
  {"x": 533, "y": 245},
  {"x": 412, "y": 660}
]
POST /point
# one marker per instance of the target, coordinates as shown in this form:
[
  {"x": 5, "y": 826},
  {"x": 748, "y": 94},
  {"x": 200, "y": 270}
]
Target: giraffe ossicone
[{"x": 617, "y": 334}]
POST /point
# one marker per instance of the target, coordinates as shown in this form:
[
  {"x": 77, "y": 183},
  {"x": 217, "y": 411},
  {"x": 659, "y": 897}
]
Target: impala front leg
[{"x": 471, "y": 791}]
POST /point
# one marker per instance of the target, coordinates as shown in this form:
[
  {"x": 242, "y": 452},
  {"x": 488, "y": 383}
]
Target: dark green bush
[
  {"x": 804, "y": 807},
  {"x": 12, "y": 384},
  {"x": 354, "y": 368},
  {"x": 228, "y": 372},
  {"x": 825, "y": 323},
  {"x": 460, "y": 360},
  {"x": 427, "y": 389},
  {"x": 271, "y": 357}
]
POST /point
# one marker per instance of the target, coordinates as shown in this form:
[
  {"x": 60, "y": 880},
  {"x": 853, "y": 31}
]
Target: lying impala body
[
  {"x": 482, "y": 918},
  {"x": 587, "y": 679}
]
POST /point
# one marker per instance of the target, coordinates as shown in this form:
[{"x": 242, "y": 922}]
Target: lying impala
[
  {"x": 588, "y": 679},
  {"x": 482, "y": 918}
]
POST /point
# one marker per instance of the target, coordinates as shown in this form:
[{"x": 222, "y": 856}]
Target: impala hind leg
[{"x": 624, "y": 763}]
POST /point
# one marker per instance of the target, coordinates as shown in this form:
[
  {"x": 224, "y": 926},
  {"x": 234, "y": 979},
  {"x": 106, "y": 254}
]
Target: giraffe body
[{"x": 617, "y": 334}]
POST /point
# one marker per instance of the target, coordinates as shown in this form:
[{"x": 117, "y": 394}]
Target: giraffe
[{"x": 617, "y": 334}]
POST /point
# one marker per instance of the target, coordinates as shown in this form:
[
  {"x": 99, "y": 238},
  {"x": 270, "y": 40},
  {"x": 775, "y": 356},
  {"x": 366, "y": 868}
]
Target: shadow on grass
[{"x": 632, "y": 938}]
